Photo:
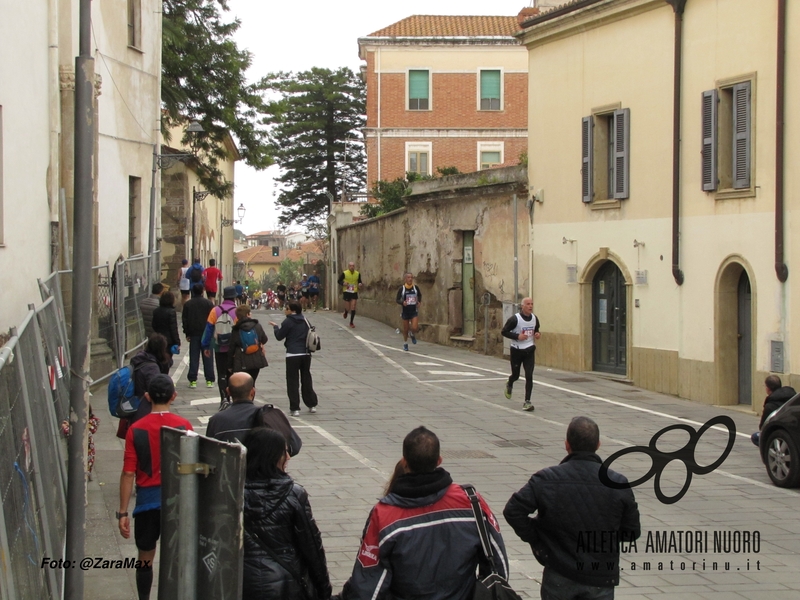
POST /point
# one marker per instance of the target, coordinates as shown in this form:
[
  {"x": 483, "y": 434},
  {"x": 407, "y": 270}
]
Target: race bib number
[
  {"x": 351, "y": 288},
  {"x": 411, "y": 300},
  {"x": 528, "y": 331}
]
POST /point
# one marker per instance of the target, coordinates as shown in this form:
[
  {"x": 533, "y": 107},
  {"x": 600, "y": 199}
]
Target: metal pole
[
  {"x": 151, "y": 241},
  {"x": 193, "y": 227},
  {"x": 187, "y": 525},
  {"x": 83, "y": 243},
  {"x": 516, "y": 257}
]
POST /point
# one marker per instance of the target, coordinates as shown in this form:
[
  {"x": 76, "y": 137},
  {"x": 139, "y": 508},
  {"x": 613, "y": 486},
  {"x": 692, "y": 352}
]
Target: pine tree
[
  {"x": 318, "y": 143},
  {"x": 203, "y": 79}
]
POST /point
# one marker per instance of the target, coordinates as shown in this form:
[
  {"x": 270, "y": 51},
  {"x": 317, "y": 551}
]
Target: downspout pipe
[
  {"x": 678, "y": 7},
  {"x": 781, "y": 269}
]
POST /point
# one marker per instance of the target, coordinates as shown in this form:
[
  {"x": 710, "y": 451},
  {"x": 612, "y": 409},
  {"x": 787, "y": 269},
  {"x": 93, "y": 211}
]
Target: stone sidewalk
[{"x": 372, "y": 393}]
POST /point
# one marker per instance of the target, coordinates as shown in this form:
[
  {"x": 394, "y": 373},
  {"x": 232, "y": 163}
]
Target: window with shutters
[
  {"x": 605, "y": 155},
  {"x": 491, "y": 89},
  {"x": 727, "y": 138},
  {"x": 418, "y": 157},
  {"x": 419, "y": 97}
]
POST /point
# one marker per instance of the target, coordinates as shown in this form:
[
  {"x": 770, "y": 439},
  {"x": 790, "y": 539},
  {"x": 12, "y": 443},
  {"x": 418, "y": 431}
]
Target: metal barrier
[{"x": 32, "y": 463}]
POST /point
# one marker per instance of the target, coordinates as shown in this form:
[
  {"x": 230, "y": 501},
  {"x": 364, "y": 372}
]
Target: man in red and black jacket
[{"x": 421, "y": 539}]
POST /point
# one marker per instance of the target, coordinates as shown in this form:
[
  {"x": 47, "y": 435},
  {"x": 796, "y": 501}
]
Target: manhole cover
[
  {"x": 577, "y": 380},
  {"x": 454, "y": 454}
]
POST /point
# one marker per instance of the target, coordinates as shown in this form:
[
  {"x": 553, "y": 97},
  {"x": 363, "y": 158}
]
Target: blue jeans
[
  {"x": 557, "y": 587},
  {"x": 194, "y": 360}
]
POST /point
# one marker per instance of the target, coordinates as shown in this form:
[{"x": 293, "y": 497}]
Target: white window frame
[
  {"x": 491, "y": 147},
  {"x": 502, "y": 89},
  {"x": 419, "y": 147},
  {"x": 406, "y": 97}
]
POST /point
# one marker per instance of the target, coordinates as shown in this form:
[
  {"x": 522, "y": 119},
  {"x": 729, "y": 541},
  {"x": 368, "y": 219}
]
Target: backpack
[
  {"x": 313, "y": 341},
  {"x": 273, "y": 418},
  {"x": 195, "y": 274},
  {"x": 250, "y": 341},
  {"x": 122, "y": 402},
  {"x": 223, "y": 328}
]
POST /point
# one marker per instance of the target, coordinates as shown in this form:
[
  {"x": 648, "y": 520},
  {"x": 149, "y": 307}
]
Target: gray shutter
[
  {"x": 622, "y": 137},
  {"x": 709, "y": 153},
  {"x": 587, "y": 168},
  {"x": 741, "y": 135}
]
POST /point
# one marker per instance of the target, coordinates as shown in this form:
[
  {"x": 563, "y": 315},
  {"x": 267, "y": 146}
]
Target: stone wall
[{"x": 426, "y": 238}]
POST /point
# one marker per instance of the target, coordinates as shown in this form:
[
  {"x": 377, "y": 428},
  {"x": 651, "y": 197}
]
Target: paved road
[{"x": 372, "y": 393}]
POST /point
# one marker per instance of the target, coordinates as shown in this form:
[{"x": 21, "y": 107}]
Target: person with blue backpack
[{"x": 247, "y": 344}]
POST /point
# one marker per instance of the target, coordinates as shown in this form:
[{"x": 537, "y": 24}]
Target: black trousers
[
  {"x": 221, "y": 359},
  {"x": 298, "y": 375},
  {"x": 523, "y": 358}
]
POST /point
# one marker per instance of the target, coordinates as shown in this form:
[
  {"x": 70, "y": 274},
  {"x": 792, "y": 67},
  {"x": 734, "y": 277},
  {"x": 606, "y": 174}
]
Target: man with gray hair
[
  {"x": 580, "y": 523},
  {"x": 523, "y": 331}
]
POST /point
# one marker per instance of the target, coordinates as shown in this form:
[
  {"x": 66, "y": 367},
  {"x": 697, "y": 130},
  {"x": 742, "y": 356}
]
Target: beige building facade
[{"x": 654, "y": 246}]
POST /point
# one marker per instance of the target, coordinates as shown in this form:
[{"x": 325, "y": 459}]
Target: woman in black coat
[
  {"x": 283, "y": 554},
  {"x": 238, "y": 358},
  {"x": 165, "y": 322},
  {"x": 294, "y": 331}
]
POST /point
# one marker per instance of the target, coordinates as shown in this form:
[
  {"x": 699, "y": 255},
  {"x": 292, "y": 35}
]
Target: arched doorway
[
  {"x": 609, "y": 315},
  {"x": 735, "y": 303}
]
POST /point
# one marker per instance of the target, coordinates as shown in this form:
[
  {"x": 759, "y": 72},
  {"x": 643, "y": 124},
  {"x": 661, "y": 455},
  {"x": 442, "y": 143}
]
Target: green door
[{"x": 468, "y": 279}]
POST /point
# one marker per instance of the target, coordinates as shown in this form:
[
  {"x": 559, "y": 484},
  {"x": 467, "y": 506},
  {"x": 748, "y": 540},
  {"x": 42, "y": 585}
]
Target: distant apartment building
[{"x": 445, "y": 91}]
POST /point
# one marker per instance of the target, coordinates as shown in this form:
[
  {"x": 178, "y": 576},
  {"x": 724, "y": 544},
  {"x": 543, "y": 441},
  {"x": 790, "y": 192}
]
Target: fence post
[
  {"x": 119, "y": 305},
  {"x": 7, "y": 587},
  {"x": 187, "y": 526}
]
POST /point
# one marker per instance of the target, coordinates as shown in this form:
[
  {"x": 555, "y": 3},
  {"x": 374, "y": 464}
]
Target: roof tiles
[{"x": 450, "y": 26}]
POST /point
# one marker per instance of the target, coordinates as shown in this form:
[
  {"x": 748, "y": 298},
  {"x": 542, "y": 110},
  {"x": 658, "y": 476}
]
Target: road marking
[
  {"x": 214, "y": 400},
  {"x": 386, "y": 358},
  {"x": 345, "y": 448},
  {"x": 462, "y": 373},
  {"x": 581, "y": 394},
  {"x": 204, "y": 420},
  {"x": 464, "y": 380},
  {"x": 427, "y": 364}
]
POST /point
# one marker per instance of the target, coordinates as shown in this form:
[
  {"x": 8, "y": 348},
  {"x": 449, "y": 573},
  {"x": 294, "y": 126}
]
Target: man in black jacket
[
  {"x": 579, "y": 521},
  {"x": 777, "y": 395},
  {"x": 194, "y": 318},
  {"x": 148, "y": 305},
  {"x": 231, "y": 424}
]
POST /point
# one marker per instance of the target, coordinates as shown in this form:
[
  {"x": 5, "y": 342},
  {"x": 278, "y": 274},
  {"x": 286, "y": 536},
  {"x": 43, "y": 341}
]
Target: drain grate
[
  {"x": 517, "y": 444},
  {"x": 455, "y": 454},
  {"x": 576, "y": 380}
]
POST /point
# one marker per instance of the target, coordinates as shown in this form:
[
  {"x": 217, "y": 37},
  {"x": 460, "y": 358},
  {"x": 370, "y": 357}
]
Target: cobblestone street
[{"x": 372, "y": 393}]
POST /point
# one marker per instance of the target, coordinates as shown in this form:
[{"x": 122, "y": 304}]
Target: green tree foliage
[
  {"x": 318, "y": 145},
  {"x": 290, "y": 271},
  {"x": 203, "y": 79},
  {"x": 391, "y": 195}
]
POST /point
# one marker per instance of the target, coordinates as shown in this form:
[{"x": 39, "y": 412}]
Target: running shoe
[
  {"x": 344, "y": 314},
  {"x": 209, "y": 384},
  {"x": 527, "y": 406},
  {"x": 353, "y": 326},
  {"x": 413, "y": 338},
  {"x": 312, "y": 410},
  {"x": 193, "y": 385},
  {"x": 507, "y": 392},
  {"x": 405, "y": 347},
  {"x": 295, "y": 413}
]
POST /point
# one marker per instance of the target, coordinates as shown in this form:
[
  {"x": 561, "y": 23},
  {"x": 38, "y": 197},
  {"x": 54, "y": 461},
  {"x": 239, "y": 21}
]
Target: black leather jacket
[
  {"x": 774, "y": 401},
  {"x": 278, "y": 512}
]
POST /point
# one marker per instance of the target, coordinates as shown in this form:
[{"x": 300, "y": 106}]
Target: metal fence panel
[
  {"x": 22, "y": 527},
  {"x": 56, "y": 357}
]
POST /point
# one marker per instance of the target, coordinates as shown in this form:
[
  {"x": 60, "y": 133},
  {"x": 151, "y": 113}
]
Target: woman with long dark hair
[
  {"x": 294, "y": 331},
  {"x": 165, "y": 322},
  {"x": 283, "y": 554}
]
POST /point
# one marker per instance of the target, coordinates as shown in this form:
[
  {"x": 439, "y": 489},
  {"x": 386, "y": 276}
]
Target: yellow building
[{"x": 653, "y": 128}]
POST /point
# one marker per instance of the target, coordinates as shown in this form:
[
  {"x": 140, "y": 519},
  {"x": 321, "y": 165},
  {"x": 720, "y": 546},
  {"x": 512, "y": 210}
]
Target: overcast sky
[{"x": 297, "y": 35}]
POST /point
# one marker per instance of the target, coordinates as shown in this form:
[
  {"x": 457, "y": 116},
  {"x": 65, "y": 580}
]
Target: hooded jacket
[
  {"x": 277, "y": 511},
  {"x": 579, "y": 520},
  {"x": 293, "y": 331},
  {"x": 208, "y": 340},
  {"x": 775, "y": 400},
  {"x": 165, "y": 322},
  {"x": 145, "y": 367},
  {"x": 421, "y": 541},
  {"x": 238, "y": 360}
]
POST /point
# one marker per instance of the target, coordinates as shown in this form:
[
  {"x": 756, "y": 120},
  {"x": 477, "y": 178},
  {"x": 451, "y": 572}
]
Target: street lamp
[{"x": 197, "y": 196}]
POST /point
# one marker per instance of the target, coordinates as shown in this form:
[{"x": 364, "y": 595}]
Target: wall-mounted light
[
  {"x": 566, "y": 240},
  {"x": 637, "y": 244}
]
